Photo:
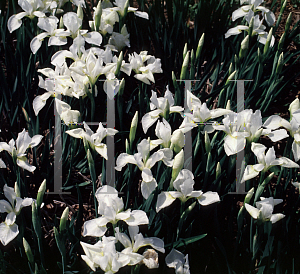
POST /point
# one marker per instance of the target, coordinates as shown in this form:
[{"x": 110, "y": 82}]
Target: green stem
[
  {"x": 141, "y": 98},
  {"x": 92, "y": 98}
]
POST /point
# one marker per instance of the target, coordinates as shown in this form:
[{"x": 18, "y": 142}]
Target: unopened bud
[
  {"x": 249, "y": 196},
  {"x": 133, "y": 127},
  {"x": 185, "y": 66},
  {"x": 17, "y": 190},
  {"x": 121, "y": 87},
  {"x": 177, "y": 164},
  {"x": 207, "y": 142},
  {"x": 28, "y": 251},
  {"x": 184, "y": 51},
  {"x": 244, "y": 47},
  {"x": 295, "y": 105},
  {"x": 177, "y": 140},
  {"x": 119, "y": 63},
  {"x": 41, "y": 193},
  {"x": 61, "y": 23},
  {"x": 80, "y": 12},
  {"x": 280, "y": 63},
  {"x": 288, "y": 23},
  {"x": 231, "y": 76},
  {"x": 281, "y": 41},
  {"x": 98, "y": 14},
  {"x": 199, "y": 48},
  {"x": 231, "y": 69},
  {"x": 250, "y": 30},
  {"x": 63, "y": 219},
  {"x": 228, "y": 105},
  {"x": 283, "y": 6},
  {"x": 166, "y": 112},
  {"x": 268, "y": 42}
]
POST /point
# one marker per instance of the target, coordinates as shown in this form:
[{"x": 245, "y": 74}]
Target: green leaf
[{"x": 187, "y": 241}]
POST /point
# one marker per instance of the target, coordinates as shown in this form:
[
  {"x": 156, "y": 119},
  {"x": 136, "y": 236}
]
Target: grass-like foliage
[{"x": 166, "y": 131}]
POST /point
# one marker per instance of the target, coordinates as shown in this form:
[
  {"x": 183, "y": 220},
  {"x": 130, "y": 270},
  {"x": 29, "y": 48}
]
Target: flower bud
[
  {"x": 280, "y": 64},
  {"x": 166, "y": 112},
  {"x": 295, "y": 105},
  {"x": 250, "y": 30},
  {"x": 41, "y": 193},
  {"x": 257, "y": 135},
  {"x": 231, "y": 76},
  {"x": 174, "y": 80},
  {"x": 184, "y": 51},
  {"x": 185, "y": 66},
  {"x": 228, "y": 105},
  {"x": 283, "y": 6},
  {"x": 288, "y": 23},
  {"x": 127, "y": 148},
  {"x": 119, "y": 63},
  {"x": 244, "y": 47},
  {"x": 98, "y": 14},
  {"x": 231, "y": 69},
  {"x": 121, "y": 87},
  {"x": 63, "y": 219},
  {"x": 28, "y": 251},
  {"x": 281, "y": 41},
  {"x": 177, "y": 140},
  {"x": 192, "y": 57},
  {"x": 80, "y": 12},
  {"x": 177, "y": 164},
  {"x": 207, "y": 143},
  {"x": 218, "y": 170},
  {"x": 133, "y": 127},
  {"x": 269, "y": 39},
  {"x": 236, "y": 60},
  {"x": 26, "y": 115},
  {"x": 199, "y": 48},
  {"x": 61, "y": 23},
  {"x": 249, "y": 196},
  {"x": 17, "y": 190}
]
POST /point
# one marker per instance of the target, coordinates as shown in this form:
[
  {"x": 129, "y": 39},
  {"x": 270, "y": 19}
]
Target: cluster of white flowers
[
  {"x": 103, "y": 254},
  {"x": 255, "y": 24}
]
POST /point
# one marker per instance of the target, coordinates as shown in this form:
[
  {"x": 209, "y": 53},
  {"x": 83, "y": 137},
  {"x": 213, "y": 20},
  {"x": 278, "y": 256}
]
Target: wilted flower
[{"x": 151, "y": 258}]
